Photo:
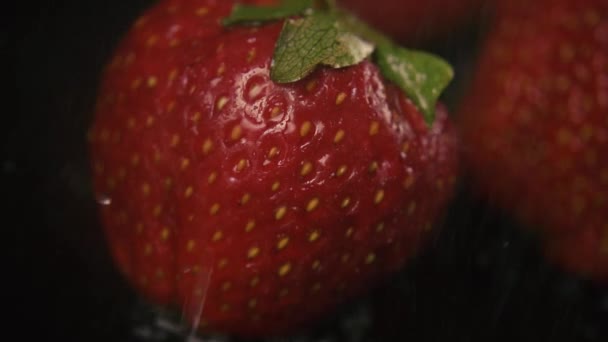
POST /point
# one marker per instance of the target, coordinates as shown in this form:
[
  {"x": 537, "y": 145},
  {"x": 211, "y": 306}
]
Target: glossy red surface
[
  {"x": 252, "y": 206},
  {"x": 536, "y": 129}
]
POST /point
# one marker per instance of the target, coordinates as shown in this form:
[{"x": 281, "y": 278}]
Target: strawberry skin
[
  {"x": 255, "y": 207},
  {"x": 535, "y": 124},
  {"x": 413, "y": 21}
]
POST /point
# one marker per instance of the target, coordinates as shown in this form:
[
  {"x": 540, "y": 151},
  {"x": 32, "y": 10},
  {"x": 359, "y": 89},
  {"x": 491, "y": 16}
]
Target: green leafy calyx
[{"x": 318, "y": 33}]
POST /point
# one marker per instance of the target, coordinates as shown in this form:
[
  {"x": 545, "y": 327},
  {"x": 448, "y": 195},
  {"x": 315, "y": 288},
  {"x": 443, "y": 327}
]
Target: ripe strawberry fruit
[
  {"x": 536, "y": 127},
  {"x": 413, "y": 21},
  {"x": 251, "y": 205}
]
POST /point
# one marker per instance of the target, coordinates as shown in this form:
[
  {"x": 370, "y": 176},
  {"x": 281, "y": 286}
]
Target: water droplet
[{"x": 103, "y": 199}]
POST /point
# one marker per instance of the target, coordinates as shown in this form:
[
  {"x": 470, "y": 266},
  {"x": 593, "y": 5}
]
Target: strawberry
[
  {"x": 414, "y": 21},
  {"x": 250, "y": 188},
  {"x": 536, "y": 128}
]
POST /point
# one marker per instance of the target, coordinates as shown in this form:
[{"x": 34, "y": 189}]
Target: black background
[{"x": 482, "y": 280}]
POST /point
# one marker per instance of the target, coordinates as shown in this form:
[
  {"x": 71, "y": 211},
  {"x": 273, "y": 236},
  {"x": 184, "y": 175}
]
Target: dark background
[{"x": 482, "y": 280}]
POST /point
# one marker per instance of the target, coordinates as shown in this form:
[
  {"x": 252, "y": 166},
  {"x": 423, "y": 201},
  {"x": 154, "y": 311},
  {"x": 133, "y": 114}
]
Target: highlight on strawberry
[{"x": 257, "y": 166}]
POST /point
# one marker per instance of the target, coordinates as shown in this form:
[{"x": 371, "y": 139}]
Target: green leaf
[
  {"x": 422, "y": 76},
  {"x": 327, "y": 35},
  {"x": 318, "y": 39},
  {"x": 248, "y": 14}
]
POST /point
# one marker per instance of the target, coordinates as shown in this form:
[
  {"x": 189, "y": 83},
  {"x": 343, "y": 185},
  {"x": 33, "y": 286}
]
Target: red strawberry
[
  {"x": 412, "y": 21},
  {"x": 255, "y": 206},
  {"x": 536, "y": 126}
]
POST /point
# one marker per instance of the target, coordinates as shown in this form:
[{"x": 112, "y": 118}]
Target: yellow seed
[
  {"x": 135, "y": 160},
  {"x": 284, "y": 269},
  {"x": 314, "y": 236},
  {"x": 306, "y": 169},
  {"x": 236, "y": 133},
  {"x": 245, "y": 199},
  {"x": 171, "y": 77},
  {"x": 250, "y": 225},
  {"x": 274, "y": 151},
  {"x": 280, "y": 213},
  {"x": 310, "y": 86},
  {"x": 150, "y": 121},
  {"x": 255, "y": 91},
  {"x": 174, "y": 140},
  {"x": 253, "y": 252},
  {"x": 316, "y": 264},
  {"x": 254, "y": 281},
  {"x": 135, "y": 83},
  {"x": 170, "y": 106},
  {"x": 340, "y": 98},
  {"x": 241, "y": 165},
  {"x": 207, "y": 146},
  {"x": 145, "y": 189},
  {"x": 201, "y": 11},
  {"x": 139, "y": 228},
  {"x": 215, "y": 208},
  {"x": 147, "y": 249},
  {"x": 305, "y": 128},
  {"x": 190, "y": 245},
  {"x": 350, "y": 231},
  {"x": 225, "y": 308},
  {"x": 379, "y": 196},
  {"x": 316, "y": 288},
  {"x": 439, "y": 184},
  {"x": 152, "y": 82},
  {"x": 222, "y": 68},
  {"x": 188, "y": 192},
  {"x": 164, "y": 234},
  {"x": 275, "y": 186},
  {"x": 282, "y": 243},
  {"x": 275, "y": 111},
  {"x": 345, "y": 257},
  {"x": 160, "y": 273},
  {"x": 283, "y": 292},
  {"x": 566, "y": 52},
  {"x": 185, "y": 163},
  {"x": 226, "y": 286},
  {"x": 407, "y": 183},
  {"x": 217, "y": 236},
  {"x": 373, "y": 167},
  {"x": 405, "y": 147},
  {"x": 157, "y": 156},
  {"x": 212, "y": 177},
  {"x": 370, "y": 258},
  {"x": 411, "y": 208},
  {"x": 341, "y": 170},
  {"x": 592, "y": 17},
  {"x": 222, "y": 263},
  {"x": 339, "y": 136},
  {"x": 345, "y": 202},
  {"x": 251, "y": 55},
  {"x": 152, "y": 40},
  {"x": 157, "y": 210},
  {"x": 312, "y": 204},
  {"x": 380, "y": 227},
  {"x": 221, "y": 102},
  {"x": 252, "y": 303},
  {"x": 374, "y": 127}
]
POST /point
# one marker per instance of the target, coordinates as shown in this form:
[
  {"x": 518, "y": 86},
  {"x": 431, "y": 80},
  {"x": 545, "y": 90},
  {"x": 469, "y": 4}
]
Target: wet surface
[{"x": 482, "y": 279}]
